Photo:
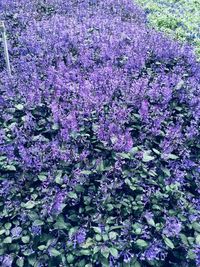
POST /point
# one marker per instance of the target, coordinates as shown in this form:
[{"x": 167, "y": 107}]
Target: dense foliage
[
  {"x": 99, "y": 134},
  {"x": 179, "y": 18}
]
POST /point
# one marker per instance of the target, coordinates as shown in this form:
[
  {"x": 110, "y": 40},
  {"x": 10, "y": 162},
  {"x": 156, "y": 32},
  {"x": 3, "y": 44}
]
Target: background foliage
[
  {"x": 99, "y": 134},
  {"x": 179, "y": 18}
]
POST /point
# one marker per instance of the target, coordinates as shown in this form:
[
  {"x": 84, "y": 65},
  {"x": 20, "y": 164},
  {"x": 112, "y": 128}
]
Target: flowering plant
[{"x": 99, "y": 134}]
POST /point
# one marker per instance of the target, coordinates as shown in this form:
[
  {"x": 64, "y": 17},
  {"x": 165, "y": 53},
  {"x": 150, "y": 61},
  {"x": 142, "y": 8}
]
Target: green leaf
[
  {"x": 156, "y": 151},
  {"x": 42, "y": 177},
  {"x": 29, "y": 205},
  {"x": 10, "y": 168},
  {"x": 141, "y": 243},
  {"x": 70, "y": 258},
  {"x": 88, "y": 243},
  {"x": 20, "y": 262},
  {"x": 97, "y": 229},
  {"x": 7, "y": 240},
  {"x": 166, "y": 171},
  {"x": 85, "y": 252},
  {"x": 42, "y": 247},
  {"x": 168, "y": 242},
  {"x": 25, "y": 239},
  {"x": 196, "y": 226},
  {"x": 38, "y": 223},
  {"x": 146, "y": 156},
  {"x": 136, "y": 264},
  {"x": 58, "y": 179},
  {"x": 72, "y": 195},
  {"x": 19, "y": 107},
  {"x": 60, "y": 223},
  {"x": 198, "y": 239},
  {"x": 86, "y": 172},
  {"x": 54, "y": 252},
  {"x": 114, "y": 252},
  {"x": 134, "y": 150},
  {"x": 105, "y": 252},
  {"x": 98, "y": 237},
  {"x": 191, "y": 255},
  {"x": 124, "y": 155},
  {"x": 8, "y": 226},
  {"x": 112, "y": 235},
  {"x": 172, "y": 156}
]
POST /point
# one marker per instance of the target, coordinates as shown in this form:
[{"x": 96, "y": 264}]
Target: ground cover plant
[
  {"x": 99, "y": 134},
  {"x": 179, "y": 19}
]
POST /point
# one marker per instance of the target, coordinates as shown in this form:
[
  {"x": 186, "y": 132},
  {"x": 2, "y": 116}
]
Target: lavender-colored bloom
[
  {"x": 197, "y": 253},
  {"x": 127, "y": 256},
  {"x": 36, "y": 230},
  {"x": 153, "y": 252},
  {"x": 172, "y": 227},
  {"x": 7, "y": 261},
  {"x": 80, "y": 236},
  {"x": 16, "y": 231},
  {"x": 58, "y": 203}
]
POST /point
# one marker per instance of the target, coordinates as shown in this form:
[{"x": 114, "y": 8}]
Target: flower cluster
[{"x": 99, "y": 138}]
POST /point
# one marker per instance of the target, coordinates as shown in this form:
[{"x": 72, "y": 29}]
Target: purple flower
[
  {"x": 172, "y": 227},
  {"x": 80, "y": 236},
  {"x": 36, "y": 230},
  {"x": 153, "y": 252},
  {"x": 16, "y": 231}
]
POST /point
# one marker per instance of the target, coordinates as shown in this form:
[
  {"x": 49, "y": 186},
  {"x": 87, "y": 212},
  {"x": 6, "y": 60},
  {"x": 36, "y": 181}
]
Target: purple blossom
[
  {"x": 16, "y": 231},
  {"x": 172, "y": 227}
]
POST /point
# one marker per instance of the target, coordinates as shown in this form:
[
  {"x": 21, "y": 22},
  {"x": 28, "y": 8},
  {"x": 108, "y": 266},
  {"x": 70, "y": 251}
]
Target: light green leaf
[
  {"x": 54, "y": 252},
  {"x": 20, "y": 262},
  {"x": 19, "y": 107},
  {"x": 146, "y": 156},
  {"x": 113, "y": 235},
  {"x": 10, "y": 168},
  {"x": 72, "y": 195},
  {"x": 25, "y": 239},
  {"x": 114, "y": 252},
  {"x": 7, "y": 240},
  {"x": 168, "y": 242},
  {"x": 141, "y": 243},
  {"x": 42, "y": 247},
  {"x": 29, "y": 205}
]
